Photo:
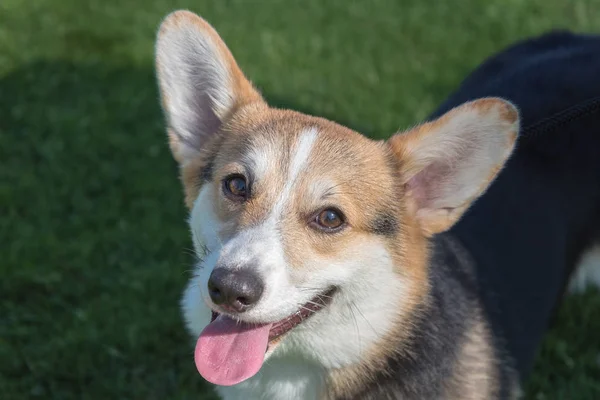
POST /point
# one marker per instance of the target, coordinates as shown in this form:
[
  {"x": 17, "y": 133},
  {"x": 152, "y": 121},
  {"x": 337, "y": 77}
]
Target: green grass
[{"x": 92, "y": 229}]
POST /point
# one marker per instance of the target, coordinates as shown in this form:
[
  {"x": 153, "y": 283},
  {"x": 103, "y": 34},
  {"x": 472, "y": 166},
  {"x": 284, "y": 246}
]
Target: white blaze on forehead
[
  {"x": 299, "y": 161},
  {"x": 306, "y": 142},
  {"x": 266, "y": 244}
]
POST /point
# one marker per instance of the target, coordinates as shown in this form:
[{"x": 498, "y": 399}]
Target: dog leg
[{"x": 587, "y": 272}]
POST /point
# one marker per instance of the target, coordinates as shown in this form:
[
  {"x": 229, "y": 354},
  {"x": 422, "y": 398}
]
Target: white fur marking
[
  {"x": 587, "y": 272},
  {"x": 303, "y": 149},
  {"x": 205, "y": 235}
]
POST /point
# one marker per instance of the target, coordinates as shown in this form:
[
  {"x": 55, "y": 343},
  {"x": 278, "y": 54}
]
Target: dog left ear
[{"x": 447, "y": 163}]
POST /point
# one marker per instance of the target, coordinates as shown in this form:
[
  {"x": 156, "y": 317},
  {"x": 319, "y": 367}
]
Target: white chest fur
[{"x": 281, "y": 378}]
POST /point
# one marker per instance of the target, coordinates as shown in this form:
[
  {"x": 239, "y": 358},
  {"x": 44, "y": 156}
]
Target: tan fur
[{"x": 476, "y": 376}]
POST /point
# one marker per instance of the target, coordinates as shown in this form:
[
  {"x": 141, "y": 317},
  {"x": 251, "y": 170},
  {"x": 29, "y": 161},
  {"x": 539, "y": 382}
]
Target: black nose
[{"x": 235, "y": 290}]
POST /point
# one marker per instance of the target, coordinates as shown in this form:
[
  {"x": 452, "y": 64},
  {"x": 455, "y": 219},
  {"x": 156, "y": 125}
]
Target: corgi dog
[{"x": 425, "y": 266}]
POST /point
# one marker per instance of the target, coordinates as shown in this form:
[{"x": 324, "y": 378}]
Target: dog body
[
  {"x": 540, "y": 220},
  {"x": 333, "y": 266}
]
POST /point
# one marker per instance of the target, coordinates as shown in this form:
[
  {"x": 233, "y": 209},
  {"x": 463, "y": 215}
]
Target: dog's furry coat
[{"x": 456, "y": 298}]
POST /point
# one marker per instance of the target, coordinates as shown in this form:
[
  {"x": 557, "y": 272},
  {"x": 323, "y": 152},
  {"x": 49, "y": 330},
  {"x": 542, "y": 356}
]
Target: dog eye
[
  {"x": 329, "y": 220},
  {"x": 235, "y": 187}
]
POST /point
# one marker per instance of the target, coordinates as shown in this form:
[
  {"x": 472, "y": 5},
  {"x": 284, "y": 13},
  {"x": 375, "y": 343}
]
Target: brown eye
[
  {"x": 329, "y": 220},
  {"x": 235, "y": 187}
]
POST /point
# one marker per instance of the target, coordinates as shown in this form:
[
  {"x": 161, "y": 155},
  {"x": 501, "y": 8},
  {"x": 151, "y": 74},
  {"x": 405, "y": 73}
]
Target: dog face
[
  {"x": 312, "y": 238},
  {"x": 303, "y": 213}
]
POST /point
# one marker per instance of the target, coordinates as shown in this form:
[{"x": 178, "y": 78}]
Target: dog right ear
[
  {"x": 447, "y": 163},
  {"x": 200, "y": 83}
]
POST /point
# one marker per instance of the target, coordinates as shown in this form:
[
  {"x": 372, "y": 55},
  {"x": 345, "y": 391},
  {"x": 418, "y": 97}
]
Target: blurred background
[{"x": 94, "y": 246}]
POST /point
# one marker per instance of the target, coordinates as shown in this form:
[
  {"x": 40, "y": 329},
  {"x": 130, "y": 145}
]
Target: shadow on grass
[
  {"x": 93, "y": 237},
  {"x": 93, "y": 232}
]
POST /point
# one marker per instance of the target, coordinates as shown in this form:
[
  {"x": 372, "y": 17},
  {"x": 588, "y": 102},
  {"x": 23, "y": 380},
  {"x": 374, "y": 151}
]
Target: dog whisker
[
  {"x": 356, "y": 326},
  {"x": 353, "y": 304}
]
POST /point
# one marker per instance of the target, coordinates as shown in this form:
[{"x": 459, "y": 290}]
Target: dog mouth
[
  {"x": 280, "y": 328},
  {"x": 230, "y": 351}
]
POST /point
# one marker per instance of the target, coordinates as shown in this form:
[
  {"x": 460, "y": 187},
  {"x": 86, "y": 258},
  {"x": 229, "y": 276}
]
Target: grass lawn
[{"x": 92, "y": 233}]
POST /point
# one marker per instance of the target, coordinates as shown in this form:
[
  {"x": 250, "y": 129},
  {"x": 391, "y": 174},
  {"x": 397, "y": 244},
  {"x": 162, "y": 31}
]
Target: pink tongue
[{"x": 229, "y": 352}]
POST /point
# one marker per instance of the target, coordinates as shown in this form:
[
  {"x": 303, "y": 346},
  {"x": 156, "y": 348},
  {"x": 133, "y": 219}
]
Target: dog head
[{"x": 312, "y": 238}]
